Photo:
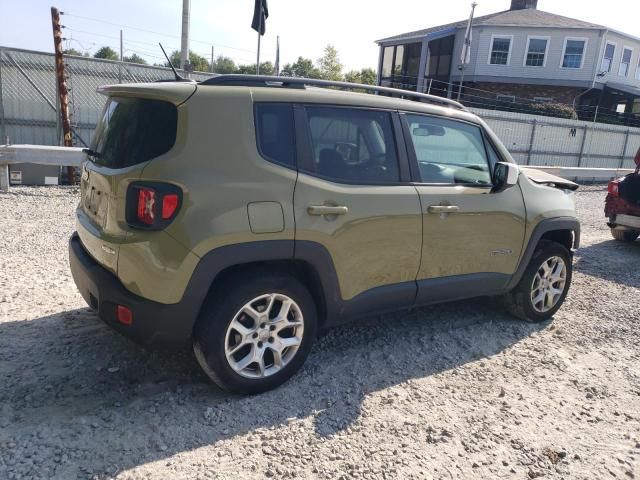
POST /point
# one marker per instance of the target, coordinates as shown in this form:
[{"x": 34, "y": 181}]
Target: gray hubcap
[
  {"x": 264, "y": 335},
  {"x": 548, "y": 284}
]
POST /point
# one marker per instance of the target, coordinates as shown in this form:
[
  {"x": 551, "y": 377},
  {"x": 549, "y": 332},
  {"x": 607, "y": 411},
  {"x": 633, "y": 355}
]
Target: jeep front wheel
[
  {"x": 544, "y": 284},
  {"x": 253, "y": 335}
]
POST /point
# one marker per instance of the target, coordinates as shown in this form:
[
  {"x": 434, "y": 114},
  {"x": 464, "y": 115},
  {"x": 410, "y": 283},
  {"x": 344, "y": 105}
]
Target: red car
[{"x": 622, "y": 205}]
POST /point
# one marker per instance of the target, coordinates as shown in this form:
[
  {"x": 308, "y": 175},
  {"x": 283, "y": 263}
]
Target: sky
[{"x": 305, "y": 27}]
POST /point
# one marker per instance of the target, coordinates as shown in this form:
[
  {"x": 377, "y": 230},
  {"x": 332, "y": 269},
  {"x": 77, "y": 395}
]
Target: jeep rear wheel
[
  {"x": 253, "y": 335},
  {"x": 624, "y": 235},
  {"x": 544, "y": 284}
]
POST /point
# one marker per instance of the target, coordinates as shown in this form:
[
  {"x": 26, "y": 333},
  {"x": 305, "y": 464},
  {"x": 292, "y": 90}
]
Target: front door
[
  {"x": 472, "y": 237},
  {"x": 354, "y": 197}
]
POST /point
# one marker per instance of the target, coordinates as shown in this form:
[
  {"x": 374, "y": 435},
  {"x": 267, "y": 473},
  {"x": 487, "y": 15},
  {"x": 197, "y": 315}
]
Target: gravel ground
[{"x": 452, "y": 391}]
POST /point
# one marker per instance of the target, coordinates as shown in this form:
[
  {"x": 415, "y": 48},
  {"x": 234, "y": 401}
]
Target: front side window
[
  {"x": 638, "y": 70},
  {"x": 275, "y": 132},
  {"x": 607, "y": 59},
  {"x": 536, "y": 52},
  {"x": 500, "y": 51},
  {"x": 573, "y": 53},
  {"x": 133, "y": 131},
  {"x": 625, "y": 63},
  {"x": 448, "y": 152},
  {"x": 352, "y": 145}
]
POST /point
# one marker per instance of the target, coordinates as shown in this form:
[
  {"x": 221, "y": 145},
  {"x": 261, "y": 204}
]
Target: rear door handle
[
  {"x": 327, "y": 210},
  {"x": 443, "y": 209}
]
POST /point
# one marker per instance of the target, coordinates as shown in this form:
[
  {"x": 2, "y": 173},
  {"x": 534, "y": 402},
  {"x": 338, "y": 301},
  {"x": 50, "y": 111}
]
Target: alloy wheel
[
  {"x": 264, "y": 336},
  {"x": 548, "y": 284}
]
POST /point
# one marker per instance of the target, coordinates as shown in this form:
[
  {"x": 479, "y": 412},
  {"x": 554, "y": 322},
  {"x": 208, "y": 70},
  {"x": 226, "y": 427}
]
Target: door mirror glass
[{"x": 505, "y": 175}]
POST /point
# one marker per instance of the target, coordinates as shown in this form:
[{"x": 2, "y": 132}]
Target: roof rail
[{"x": 239, "y": 80}]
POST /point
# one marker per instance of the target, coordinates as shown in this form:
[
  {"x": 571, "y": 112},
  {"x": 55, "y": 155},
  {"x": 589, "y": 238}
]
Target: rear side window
[
  {"x": 275, "y": 132},
  {"x": 448, "y": 151},
  {"x": 134, "y": 130},
  {"x": 352, "y": 145}
]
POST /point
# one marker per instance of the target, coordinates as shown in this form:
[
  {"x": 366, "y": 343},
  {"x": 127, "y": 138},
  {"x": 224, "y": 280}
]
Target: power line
[{"x": 164, "y": 34}]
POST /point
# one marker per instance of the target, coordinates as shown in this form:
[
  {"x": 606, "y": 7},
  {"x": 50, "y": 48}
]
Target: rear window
[
  {"x": 274, "y": 126},
  {"x": 134, "y": 130}
]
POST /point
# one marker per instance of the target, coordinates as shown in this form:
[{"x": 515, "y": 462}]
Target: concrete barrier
[{"x": 40, "y": 154}]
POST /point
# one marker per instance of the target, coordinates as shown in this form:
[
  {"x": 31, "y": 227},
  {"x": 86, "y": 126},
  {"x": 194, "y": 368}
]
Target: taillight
[
  {"x": 152, "y": 206},
  {"x": 613, "y": 187},
  {"x": 169, "y": 205},
  {"x": 146, "y": 205}
]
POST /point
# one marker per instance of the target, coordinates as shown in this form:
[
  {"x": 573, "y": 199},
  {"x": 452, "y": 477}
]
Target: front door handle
[
  {"x": 443, "y": 209},
  {"x": 317, "y": 210}
]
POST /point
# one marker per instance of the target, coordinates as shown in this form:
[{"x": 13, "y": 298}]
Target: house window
[
  {"x": 573, "y": 56},
  {"x": 543, "y": 99},
  {"x": 607, "y": 60},
  {"x": 400, "y": 66},
  {"x": 387, "y": 62},
  {"x": 625, "y": 63},
  {"x": 536, "y": 52},
  {"x": 500, "y": 51}
]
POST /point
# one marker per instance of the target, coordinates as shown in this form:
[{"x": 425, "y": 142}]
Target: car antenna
[{"x": 179, "y": 78}]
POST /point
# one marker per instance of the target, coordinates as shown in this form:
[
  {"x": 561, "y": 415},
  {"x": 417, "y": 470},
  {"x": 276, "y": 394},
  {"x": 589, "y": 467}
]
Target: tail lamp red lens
[
  {"x": 124, "y": 315},
  {"x": 152, "y": 205},
  {"x": 169, "y": 205},
  {"x": 146, "y": 205},
  {"x": 613, "y": 187}
]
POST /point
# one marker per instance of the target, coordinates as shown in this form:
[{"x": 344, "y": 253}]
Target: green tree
[
  {"x": 224, "y": 65},
  {"x": 329, "y": 64},
  {"x": 77, "y": 53},
  {"x": 135, "y": 58},
  {"x": 303, "y": 67},
  {"x": 107, "y": 53},
  {"x": 266, "y": 68},
  {"x": 368, "y": 76},
  {"x": 198, "y": 62}
]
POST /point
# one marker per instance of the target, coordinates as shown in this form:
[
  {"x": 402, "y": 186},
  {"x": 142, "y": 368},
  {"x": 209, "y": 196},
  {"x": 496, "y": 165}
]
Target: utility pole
[
  {"x": 212, "y": 58},
  {"x": 121, "y": 59},
  {"x": 62, "y": 85},
  {"x": 184, "y": 45},
  {"x": 466, "y": 49}
]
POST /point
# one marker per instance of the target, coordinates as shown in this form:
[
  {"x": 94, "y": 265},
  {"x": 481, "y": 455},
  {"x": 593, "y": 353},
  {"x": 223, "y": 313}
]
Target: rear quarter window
[
  {"x": 275, "y": 133},
  {"x": 134, "y": 130}
]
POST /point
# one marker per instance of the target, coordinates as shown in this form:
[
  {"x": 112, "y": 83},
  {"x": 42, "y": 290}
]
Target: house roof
[{"x": 520, "y": 18}]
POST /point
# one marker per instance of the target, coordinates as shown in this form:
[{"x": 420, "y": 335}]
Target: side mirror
[
  {"x": 637, "y": 160},
  {"x": 505, "y": 175}
]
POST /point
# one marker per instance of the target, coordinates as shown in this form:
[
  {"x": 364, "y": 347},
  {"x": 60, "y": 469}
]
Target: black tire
[
  {"x": 625, "y": 235},
  {"x": 518, "y": 301},
  {"x": 219, "y": 310}
]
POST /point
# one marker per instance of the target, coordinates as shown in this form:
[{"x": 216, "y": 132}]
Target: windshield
[{"x": 134, "y": 130}]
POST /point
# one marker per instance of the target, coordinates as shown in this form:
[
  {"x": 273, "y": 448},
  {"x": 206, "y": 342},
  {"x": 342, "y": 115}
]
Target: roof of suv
[{"x": 279, "y": 89}]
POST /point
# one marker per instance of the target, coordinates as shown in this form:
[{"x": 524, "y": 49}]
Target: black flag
[{"x": 260, "y": 15}]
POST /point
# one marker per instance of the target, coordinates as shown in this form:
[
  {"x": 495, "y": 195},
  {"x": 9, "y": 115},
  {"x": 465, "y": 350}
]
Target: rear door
[
  {"x": 353, "y": 196},
  {"x": 473, "y": 237}
]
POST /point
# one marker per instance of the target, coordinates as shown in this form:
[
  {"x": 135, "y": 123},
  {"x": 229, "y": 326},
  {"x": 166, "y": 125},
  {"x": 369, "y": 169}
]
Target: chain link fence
[{"x": 28, "y": 93}]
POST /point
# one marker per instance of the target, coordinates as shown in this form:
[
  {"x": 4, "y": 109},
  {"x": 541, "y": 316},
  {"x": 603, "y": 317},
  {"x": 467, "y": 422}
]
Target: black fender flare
[{"x": 545, "y": 226}]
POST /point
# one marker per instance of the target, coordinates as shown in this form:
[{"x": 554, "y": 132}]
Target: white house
[{"x": 521, "y": 52}]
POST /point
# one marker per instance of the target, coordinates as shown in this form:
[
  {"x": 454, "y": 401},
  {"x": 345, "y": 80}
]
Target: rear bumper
[
  {"x": 154, "y": 324},
  {"x": 629, "y": 222}
]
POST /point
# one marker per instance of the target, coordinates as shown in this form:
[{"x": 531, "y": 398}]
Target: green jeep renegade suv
[{"x": 244, "y": 213}]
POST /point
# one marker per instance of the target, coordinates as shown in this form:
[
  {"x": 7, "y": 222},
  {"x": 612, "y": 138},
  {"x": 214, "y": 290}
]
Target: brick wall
[{"x": 558, "y": 94}]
